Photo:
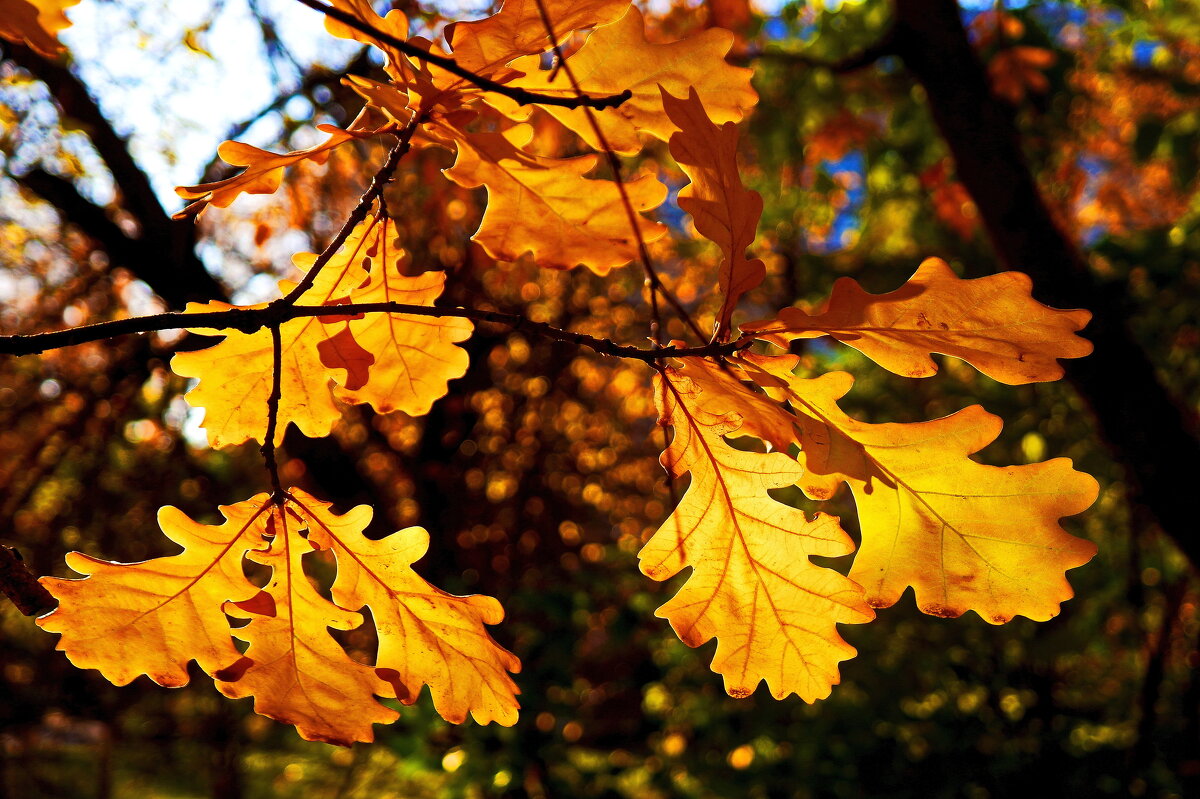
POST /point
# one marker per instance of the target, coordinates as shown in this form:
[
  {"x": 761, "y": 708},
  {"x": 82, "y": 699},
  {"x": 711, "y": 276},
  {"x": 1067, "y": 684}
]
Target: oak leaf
[
  {"x": 153, "y": 617},
  {"x": 545, "y": 205},
  {"x": 36, "y": 23},
  {"x": 724, "y": 211},
  {"x": 992, "y": 323},
  {"x": 753, "y": 585},
  {"x": 413, "y": 357},
  {"x": 517, "y": 30},
  {"x": 298, "y": 674},
  {"x": 263, "y": 171},
  {"x": 964, "y": 535},
  {"x": 392, "y": 361},
  {"x": 617, "y": 57}
]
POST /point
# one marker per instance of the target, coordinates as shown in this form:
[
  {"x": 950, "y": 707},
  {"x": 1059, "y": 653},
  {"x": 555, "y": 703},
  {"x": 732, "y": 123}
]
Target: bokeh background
[{"x": 537, "y": 475}]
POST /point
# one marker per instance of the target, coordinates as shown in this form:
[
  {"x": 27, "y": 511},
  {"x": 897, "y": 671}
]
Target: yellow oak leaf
[
  {"x": 393, "y": 361},
  {"x": 426, "y": 636},
  {"x": 517, "y": 30},
  {"x": 617, "y": 57},
  {"x": 263, "y": 170},
  {"x": 723, "y": 210},
  {"x": 992, "y": 323},
  {"x": 394, "y": 23},
  {"x": 36, "y": 23},
  {"x": 298, "y": 674},
  {"x": 964, "y": 535},
  {"x": 545, "y": 206},
  {"x": 153, "y": 617},
  {"x": 414, "y": 356},
  {"x": 753, "y": 585}
]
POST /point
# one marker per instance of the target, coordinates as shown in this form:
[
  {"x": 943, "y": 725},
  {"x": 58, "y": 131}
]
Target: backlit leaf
[
  {"x": 546, "y": 207},
  {"x": 618, "y": 57},
  {"x": 392, "y": 361},
  {"x": 263, "y": 170},
  {"x": 723, "y": 210},
  {"x": 517, "y": 30},
  {"x": 990, "y": 322},
  {"x": 752, "y": 586},
  {"x": 154, "y": 617},
  {"x": 35, "y": 23},
  {"x": 964, "y": 535}
]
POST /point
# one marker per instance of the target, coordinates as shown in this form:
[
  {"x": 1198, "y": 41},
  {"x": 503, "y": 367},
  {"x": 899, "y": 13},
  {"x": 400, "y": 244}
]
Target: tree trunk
[{"x": 1152, "y": 435}]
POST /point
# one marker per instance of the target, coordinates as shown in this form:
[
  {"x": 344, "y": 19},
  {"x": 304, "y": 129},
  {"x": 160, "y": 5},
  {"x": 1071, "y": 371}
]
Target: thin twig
[
  {"x": 248, "y": 320},
  {"x": 514, "y": 93},
  {"x": 268, "y": 447},
  {"x": 361, "y": 209},
  {"x": 652, "y": 280}
]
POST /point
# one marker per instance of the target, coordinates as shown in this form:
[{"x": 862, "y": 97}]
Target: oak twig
[
  {"x": 248, "y": 320},
  {"x": 268, "y": 447},
  {"x": 447, "y": 63}
]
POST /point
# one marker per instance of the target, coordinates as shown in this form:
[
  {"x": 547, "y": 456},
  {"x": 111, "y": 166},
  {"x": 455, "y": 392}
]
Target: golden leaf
[
  {"x": 723, "y": 210},
  {"x": 964, "y": 535},
  {"x": 264, "y": 170},
  {"x": 545, "y": 206},
  {"x": 36, "y": 23},
  {"x": 298, "y": 674},
  {"x": 618, "y": 57},
  {"x": 153, "y": 617},
  {"x": 517, "y": 30},
  {"x": 394, "y": 361},
  {"x": 753, "y": 586},
  {"x": 415, "y": 356},
  {"x": 992, "y": 323},
  {"x": 426, "y": 636}
]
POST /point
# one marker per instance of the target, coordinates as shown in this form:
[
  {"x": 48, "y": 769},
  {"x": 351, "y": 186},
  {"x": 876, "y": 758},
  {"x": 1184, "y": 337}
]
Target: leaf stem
[{"x": 522, "y": 96}]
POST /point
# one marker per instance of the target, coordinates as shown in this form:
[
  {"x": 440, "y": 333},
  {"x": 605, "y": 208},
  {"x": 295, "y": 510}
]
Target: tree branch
[
  {"x": 518, "y": 95},
  {"x": 249, "y": 320},
  {"x": 885, "y": 46},
  {"x": 162, "y": 239}
]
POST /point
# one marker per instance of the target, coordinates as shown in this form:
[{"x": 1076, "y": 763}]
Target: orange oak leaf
[
  {"x": 298, "y": 674},
  {"x": 263, "y": 170},
  {"x": 413, "y": 357},
  {"x": 723, "y": 210},
  {"x": 992, "y": 323},
  {"x": 1019, "y": 70},
  {"x": 618, "y": 57},
  {"x": 964, "y": 535},
  {"x": 545, "y": 206},
  {"x": 517, "y": 30},
  {"x": 426, "y": 636},
  {"x": 394, "y": 23},
  {"x": 153, "y": 617},
  {"x": 36, "y": 23},
  {"x": 753, "y": 585}
]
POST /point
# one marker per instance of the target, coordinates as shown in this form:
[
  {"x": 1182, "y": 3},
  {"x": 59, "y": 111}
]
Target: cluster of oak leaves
[{"x": 965, "y": 536}]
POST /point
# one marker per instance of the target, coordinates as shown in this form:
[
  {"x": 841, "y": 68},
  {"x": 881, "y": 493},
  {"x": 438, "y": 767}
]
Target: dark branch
[
  {"x": 162, "y": 239},
  {"x": 248, "y": 320},
  {"x": 885, "y": 46},
  {"x": 19, "y": 585},
  {"x": 268, "y": 447},
  {"x": 374, "y": 192},
  {"x": 450, "y": 65}
]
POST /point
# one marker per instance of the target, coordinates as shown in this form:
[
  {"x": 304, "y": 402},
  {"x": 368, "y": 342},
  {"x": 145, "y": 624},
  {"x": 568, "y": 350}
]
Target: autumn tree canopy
[{"x": 558, "y": 237}]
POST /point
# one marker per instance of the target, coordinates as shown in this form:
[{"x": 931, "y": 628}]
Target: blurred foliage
[{"x": 538, "y": 474}]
